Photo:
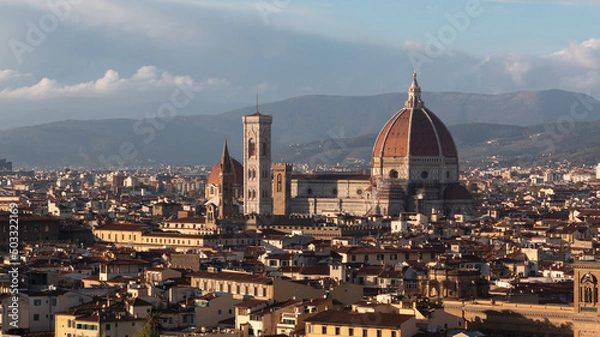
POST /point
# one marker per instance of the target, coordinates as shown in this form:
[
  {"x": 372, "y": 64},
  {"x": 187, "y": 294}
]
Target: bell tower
[{"x": 257, "y": 164}]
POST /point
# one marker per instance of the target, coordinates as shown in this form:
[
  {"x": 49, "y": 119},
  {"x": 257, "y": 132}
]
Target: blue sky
[{"x": 110, "y": 58}]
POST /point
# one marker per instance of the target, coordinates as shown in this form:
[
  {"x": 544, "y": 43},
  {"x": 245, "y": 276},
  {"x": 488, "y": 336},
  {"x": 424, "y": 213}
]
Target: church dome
[
  {"x": 414, "y": 131},
  {"x": 238, "y": 172}
]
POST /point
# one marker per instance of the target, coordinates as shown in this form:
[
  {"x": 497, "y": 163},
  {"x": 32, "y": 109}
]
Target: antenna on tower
[{"x": 256, "y": 102}]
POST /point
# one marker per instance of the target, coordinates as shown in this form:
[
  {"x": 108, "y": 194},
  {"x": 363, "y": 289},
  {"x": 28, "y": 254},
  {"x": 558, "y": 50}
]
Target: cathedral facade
[{"x": 414, "y": 168}]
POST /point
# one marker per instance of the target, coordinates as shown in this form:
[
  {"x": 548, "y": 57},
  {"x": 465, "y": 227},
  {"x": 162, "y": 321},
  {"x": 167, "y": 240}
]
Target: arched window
[
  {"x": 264, "y": 149},
  {"x": 279, "y": 182},
  {"x": 588, "y": 295},
  {"x": 589, "y": 288},
  {"x": 251, "y": 147}
]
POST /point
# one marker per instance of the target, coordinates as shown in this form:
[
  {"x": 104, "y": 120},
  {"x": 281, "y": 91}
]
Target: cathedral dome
[
  {"x": 414, "y": 131},
  {"x": 238, "y": 173}
]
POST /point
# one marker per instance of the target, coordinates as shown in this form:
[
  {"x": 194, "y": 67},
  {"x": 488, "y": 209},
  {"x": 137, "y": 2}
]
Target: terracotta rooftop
[{"x": 371, "y": 319}]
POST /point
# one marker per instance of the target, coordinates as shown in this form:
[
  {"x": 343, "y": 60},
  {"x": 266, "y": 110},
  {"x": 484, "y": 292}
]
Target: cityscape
[{"x": 299, "y": 169}]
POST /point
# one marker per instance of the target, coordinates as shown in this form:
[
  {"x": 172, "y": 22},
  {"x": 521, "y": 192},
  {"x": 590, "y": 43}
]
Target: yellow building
[
  {"x": 242, "y": 285},
  {"x": 94, "y": 324},
  {"x": 353, "y": 324},
  {"x": 124, "y": 234},
  {"x": 237, "y": 284}
]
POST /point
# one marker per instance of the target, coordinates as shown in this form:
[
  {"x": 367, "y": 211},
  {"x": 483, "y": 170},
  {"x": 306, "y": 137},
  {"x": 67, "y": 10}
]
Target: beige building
[
  {"x": 71, "y": 324},
  {"x": 351, "y": 324},
  {"x": 237, "y": 284},
  {"x": 125, "y": 234},
  {"x": 242, "y": 285},
  {"x": 160, "y": 274},
  {"x": 580, "y": 320},
  {"x": 213, "y": 308}
]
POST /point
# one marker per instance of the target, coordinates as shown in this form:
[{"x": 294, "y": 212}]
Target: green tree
[{"x": 152, "y": 327}]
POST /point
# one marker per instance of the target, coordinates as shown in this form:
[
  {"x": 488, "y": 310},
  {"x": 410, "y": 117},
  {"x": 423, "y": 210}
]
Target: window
[
  {"x": 393, "y": 256},
  {"x": 353, "y": 258},
  {"x": 323, "y": 330},
  {"x": 350, "y": 331},
  {"x": 37, "y": 302},
  {"x": 310, "y": 330},
  {"x": 364, "y": 334},
  {"x": 220, "y": 311},
  {"x": 279, "y": 182},
  {"x": 378, "y": 333},
  {"x": 337, "y": 330},
  {"x": 107, "y": 327},
  {"x": 251, "y": 149},
  {"x": 393, "y": 333},
  {"x": 36, "y": 317},
  {"x": 379, "y": 257}
]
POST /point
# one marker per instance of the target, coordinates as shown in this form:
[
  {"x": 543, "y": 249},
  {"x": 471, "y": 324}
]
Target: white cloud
[
  {"x": 9, "y": 77},
  {"x": 518, "y": 68},
  {"x": 146, "y": 80},
  {"x": 583, "y": 55}
]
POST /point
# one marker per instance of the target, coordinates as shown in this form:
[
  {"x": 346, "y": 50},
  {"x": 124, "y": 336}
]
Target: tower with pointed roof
[
  {"x": 257, "y": 163},
  {"x": 227, "y": 208}
]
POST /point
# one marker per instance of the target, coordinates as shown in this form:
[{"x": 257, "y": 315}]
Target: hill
[{"x": 198, "y": 139}]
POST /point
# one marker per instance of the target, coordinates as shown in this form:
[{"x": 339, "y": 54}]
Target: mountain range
[{"x": 534, "y": 123}]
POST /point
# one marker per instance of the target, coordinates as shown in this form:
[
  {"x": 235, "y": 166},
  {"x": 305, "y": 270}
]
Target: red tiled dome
[
  {"x": 414, "y": 131},
  {"x": 238, "y": 173}
]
